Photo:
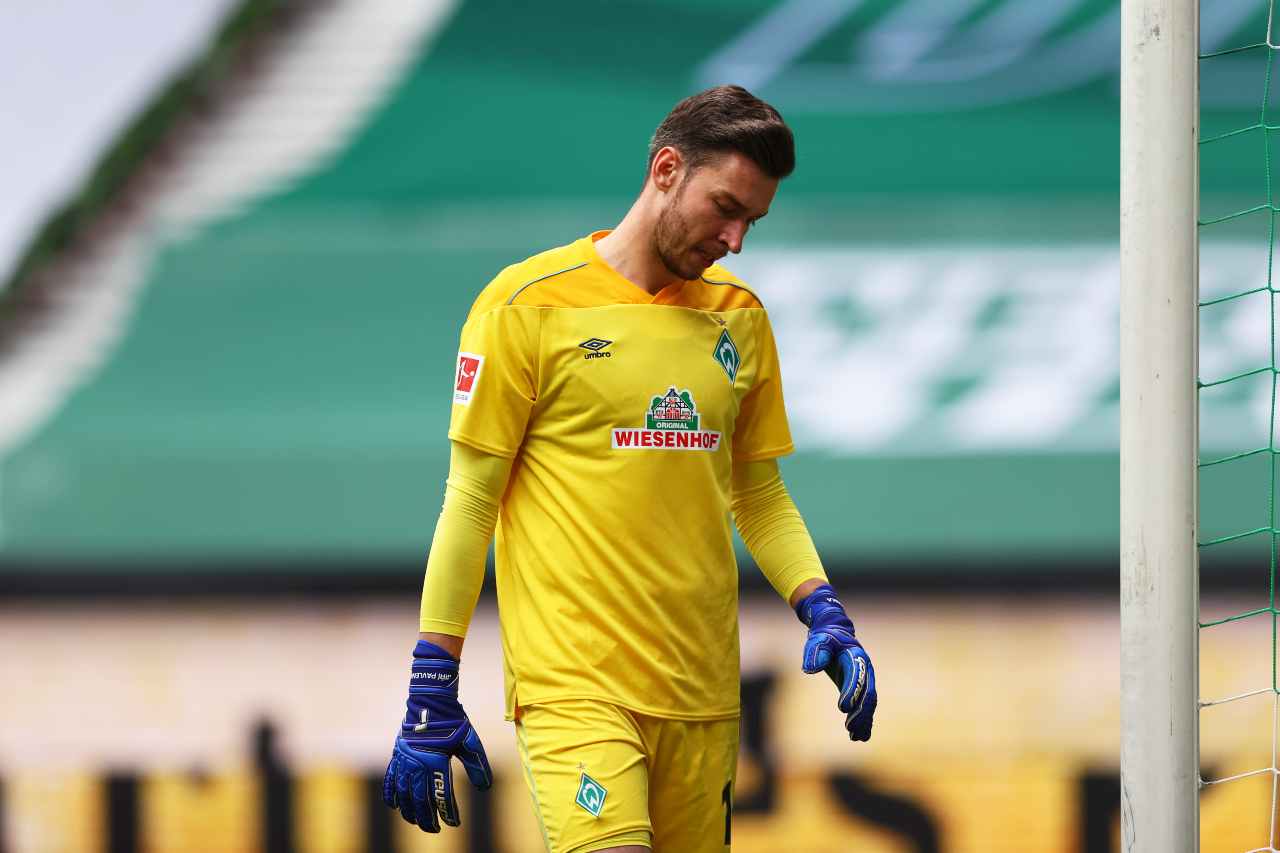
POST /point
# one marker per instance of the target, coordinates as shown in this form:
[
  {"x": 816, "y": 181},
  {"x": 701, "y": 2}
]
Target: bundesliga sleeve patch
[
  {"x": 466, "y": 377},
  {"x": 671, "y": 423}
]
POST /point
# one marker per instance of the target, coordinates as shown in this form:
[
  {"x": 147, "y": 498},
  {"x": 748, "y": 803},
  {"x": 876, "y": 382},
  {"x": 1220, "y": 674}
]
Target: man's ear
[{"x": 666, "y": 169}]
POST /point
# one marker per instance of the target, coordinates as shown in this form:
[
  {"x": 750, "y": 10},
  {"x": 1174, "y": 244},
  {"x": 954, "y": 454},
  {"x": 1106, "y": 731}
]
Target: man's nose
[{"x": 732, "y": 235}]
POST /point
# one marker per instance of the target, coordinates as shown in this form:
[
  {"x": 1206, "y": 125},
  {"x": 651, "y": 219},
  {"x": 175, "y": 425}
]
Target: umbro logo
[{"x": 596, "y": 347}]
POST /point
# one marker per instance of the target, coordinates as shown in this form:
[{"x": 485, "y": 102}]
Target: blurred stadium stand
[
  {"x": 224, "y": 369},
  {"x": 262, "y": 333}
]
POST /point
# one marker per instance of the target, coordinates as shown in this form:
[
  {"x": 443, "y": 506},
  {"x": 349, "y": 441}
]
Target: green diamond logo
[
  {"x": 727, "y": 354},
  {"x": 591, "y": 795}
]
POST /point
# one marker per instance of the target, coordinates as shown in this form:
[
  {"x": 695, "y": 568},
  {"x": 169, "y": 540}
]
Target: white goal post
[{"x": 1159, "y": 271}]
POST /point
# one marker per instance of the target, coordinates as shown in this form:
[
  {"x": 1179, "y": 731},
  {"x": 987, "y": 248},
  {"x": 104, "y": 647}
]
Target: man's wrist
[
  {"x": 823, "y": 606},
  {"x": 448, "y": 642},
  {"x": 804, "y": 590}
]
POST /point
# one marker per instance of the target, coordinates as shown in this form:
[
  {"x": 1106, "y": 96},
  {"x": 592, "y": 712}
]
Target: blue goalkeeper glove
[
  {"x": 435, "y": 729},
  {"x": 833, "y": 649}
]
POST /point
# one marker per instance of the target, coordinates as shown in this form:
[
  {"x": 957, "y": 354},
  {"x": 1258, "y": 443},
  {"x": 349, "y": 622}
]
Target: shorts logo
[
  {"x": 591, "y": 795},
  {"x": 596, "y": 347},
  {"x": 726, "y": 353},
  {"x": 466, "y": 376},
  {"x": 671, "y": 423}
]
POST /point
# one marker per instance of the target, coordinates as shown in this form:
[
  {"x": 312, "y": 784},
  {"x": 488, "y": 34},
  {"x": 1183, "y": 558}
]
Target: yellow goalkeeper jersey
[{"x": 623, "y": 411}]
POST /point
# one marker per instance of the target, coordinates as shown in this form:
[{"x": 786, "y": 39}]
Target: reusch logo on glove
[
  {"x": 442, "y": 805},
  {"x": 857, "y": 684}
]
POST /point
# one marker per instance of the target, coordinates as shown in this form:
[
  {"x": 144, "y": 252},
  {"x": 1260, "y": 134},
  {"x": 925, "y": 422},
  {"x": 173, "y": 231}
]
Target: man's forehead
[{"x": 738, "y": 176}]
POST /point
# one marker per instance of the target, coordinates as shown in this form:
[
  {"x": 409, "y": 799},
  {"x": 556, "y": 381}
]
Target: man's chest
[{"x": 644, "y": 378}]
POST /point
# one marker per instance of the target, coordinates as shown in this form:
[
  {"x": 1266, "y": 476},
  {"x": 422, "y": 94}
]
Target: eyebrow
[{"x": 739, "y": 204}]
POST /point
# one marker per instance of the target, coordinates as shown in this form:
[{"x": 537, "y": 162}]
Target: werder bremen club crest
[{"x": 670, "y": 423}]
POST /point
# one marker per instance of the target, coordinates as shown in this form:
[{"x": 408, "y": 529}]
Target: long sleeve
[
  {"x": 772, "y": 528},
  {"x": 455, "y": 566}
]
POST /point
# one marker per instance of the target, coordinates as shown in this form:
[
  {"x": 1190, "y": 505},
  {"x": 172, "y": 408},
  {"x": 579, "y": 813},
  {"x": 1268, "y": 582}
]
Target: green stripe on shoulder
[
  {"x": 529, "y": 284},
  {"x": 741, "y": 287}
]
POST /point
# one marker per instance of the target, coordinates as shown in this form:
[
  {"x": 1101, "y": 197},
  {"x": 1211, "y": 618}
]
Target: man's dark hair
[{"x": 724, "y": 119}]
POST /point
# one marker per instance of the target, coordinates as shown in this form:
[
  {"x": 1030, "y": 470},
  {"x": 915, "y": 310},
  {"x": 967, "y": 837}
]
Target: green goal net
[{"x": 1239, "y": 700}]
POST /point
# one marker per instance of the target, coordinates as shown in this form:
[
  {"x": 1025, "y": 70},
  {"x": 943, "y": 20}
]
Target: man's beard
[{"x": 669, "y": 235}]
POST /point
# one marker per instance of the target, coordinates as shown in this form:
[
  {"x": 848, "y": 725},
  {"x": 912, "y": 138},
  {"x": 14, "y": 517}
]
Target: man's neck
[{"x": 628, "y": 249}]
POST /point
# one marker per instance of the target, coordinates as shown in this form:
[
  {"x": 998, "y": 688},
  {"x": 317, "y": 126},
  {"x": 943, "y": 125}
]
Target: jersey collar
[{"x": 628, "y": 290}]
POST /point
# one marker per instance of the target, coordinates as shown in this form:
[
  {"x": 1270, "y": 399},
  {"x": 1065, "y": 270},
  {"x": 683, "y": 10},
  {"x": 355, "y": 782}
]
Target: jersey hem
[
  {"x": 484, "y": 446},
  {"x": 664, "y": 714},
  {"x": 640, "y": 837}
]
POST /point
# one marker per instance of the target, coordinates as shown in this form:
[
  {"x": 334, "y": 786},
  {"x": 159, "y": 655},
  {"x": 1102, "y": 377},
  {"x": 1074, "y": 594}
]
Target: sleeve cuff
[
  {"x": 443, "y": 626},
  {"x": 793, "y": 583},
  {"x": 770, "y": 453},
  {"x": 484, "y": 446}
]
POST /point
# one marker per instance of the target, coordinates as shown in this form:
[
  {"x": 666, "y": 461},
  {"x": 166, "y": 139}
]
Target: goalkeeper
[{"x": 617, "y": 405}]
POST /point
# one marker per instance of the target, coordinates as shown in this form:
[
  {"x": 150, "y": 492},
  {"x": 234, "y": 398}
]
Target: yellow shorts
[{"x": 603, "y": 776}]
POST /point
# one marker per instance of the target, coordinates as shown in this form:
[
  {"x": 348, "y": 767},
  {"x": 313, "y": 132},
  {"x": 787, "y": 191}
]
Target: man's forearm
[
  {"x": 455, "y": 566},
  {"x": 773, "y": 531}
]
